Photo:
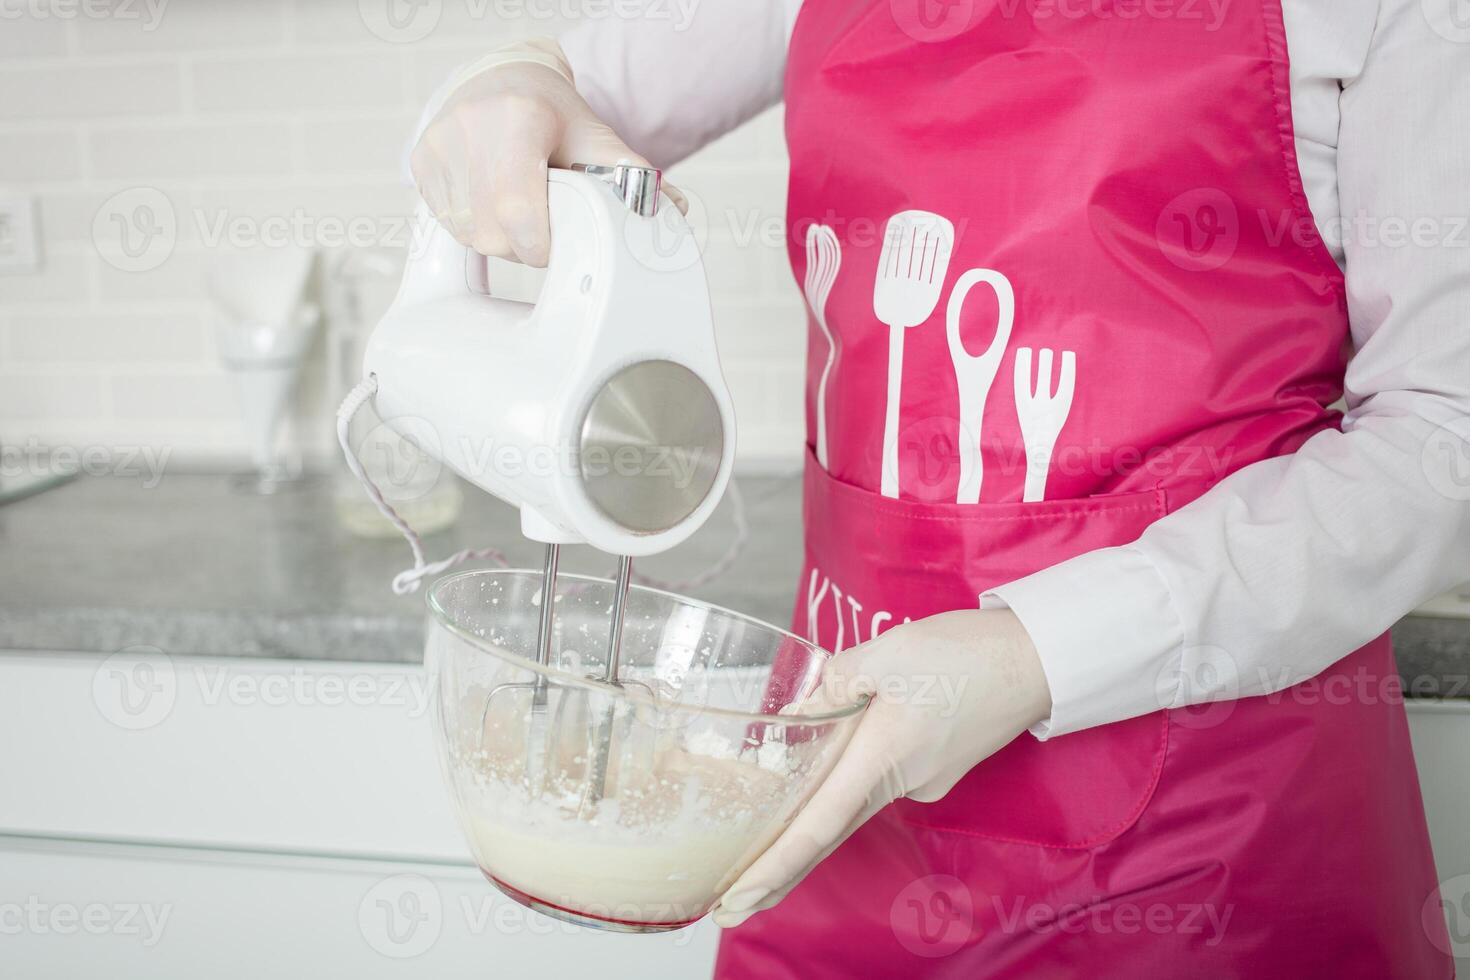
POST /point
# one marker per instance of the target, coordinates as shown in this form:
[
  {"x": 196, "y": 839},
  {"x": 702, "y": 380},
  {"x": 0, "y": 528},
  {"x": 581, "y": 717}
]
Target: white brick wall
[{"x": 274, "y": 109}]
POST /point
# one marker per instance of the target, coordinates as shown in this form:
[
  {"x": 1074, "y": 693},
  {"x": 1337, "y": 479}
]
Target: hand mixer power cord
[{"x": 408, "y": 580}]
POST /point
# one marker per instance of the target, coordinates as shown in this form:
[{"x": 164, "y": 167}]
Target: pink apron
[{"x": 1134, "y": 305}]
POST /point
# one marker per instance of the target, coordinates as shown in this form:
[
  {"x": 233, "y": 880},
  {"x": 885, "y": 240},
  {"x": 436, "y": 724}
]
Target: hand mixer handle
[
  {"x": 437, "y": 266},
  {"x": 440, "y": 267}
]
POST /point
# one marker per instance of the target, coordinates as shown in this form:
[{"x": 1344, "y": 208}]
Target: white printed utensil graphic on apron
[
  {"x": 911, "y": 269},
  {"x": 823, "y": 259},
  {"x": 975, "y": 374},
  {"x": 1042, "y": 412}
]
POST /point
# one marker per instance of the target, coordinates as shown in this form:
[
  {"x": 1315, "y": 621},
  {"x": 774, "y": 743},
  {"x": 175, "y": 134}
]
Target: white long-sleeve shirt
[{"x": 1290, "y": 563}]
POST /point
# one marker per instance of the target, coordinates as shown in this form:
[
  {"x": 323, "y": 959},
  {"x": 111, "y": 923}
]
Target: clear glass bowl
[{"x": 715, "y": 739}]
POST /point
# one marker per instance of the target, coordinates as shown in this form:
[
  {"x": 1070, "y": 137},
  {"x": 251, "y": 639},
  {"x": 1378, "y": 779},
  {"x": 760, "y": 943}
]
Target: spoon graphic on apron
[
  {"x": 975, "y": 374},
  {"x": 911, "y": 270}
]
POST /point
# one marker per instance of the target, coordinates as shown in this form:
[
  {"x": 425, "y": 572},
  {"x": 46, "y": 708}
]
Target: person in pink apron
[{"x": 1075, "y": 335}]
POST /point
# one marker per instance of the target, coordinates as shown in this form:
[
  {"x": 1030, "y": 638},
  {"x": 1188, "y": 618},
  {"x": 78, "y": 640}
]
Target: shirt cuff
[
  {"x": 1107, "y": 635},
  {"x": 542, "y": 51}
]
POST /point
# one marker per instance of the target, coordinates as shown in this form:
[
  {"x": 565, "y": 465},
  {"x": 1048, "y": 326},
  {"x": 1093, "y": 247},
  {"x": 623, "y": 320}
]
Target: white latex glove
[
  {"x": 947, "y": 692},
  {"x": 480, "y": 164}
]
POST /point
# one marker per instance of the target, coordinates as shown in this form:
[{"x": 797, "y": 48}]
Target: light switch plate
[{"x": 20, "y": 246}]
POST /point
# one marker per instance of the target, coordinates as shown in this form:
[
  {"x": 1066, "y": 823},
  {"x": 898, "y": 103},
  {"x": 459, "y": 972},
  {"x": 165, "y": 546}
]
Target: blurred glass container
[
  {"x": 265, "y": 359},
  {"x": 718, "y": 735},
  {"x": 265, "y": 326},
  {"x": 358, "y": 284}
]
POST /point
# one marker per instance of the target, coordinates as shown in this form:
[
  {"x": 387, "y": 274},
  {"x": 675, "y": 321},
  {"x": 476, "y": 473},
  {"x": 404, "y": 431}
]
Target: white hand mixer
[{"x": 599, "y": 411}]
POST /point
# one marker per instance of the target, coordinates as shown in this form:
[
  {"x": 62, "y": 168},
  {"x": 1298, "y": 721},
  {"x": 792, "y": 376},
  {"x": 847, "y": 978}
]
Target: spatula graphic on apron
[{"x": 911, "y": 269}]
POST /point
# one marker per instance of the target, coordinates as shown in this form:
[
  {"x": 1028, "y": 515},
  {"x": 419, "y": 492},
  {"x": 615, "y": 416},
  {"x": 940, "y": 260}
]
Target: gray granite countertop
[{"x": 192, "y": 566}]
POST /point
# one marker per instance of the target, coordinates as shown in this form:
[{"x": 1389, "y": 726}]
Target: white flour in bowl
[
  {"x": 686, "y": 812},
  {"x": 668, "y": 870}
]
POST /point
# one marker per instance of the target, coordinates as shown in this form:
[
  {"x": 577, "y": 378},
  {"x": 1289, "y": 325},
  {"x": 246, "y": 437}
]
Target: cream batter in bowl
[{"x": 718, "y": 735}]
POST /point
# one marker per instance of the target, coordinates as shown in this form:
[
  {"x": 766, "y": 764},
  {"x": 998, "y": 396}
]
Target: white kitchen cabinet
[
  {"x": 282, "y": 818},
  {"x": 159, "y": 913},
  {"x": 1441, "y": 733}
]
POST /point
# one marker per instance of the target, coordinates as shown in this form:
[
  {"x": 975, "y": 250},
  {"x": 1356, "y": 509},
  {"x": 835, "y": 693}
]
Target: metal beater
[
  {"x": 536, "y": 735},
  {"x": 544, "y": 734}
]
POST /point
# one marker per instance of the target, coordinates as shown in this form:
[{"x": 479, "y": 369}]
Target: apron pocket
[{"x": 873, "y": 561}]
